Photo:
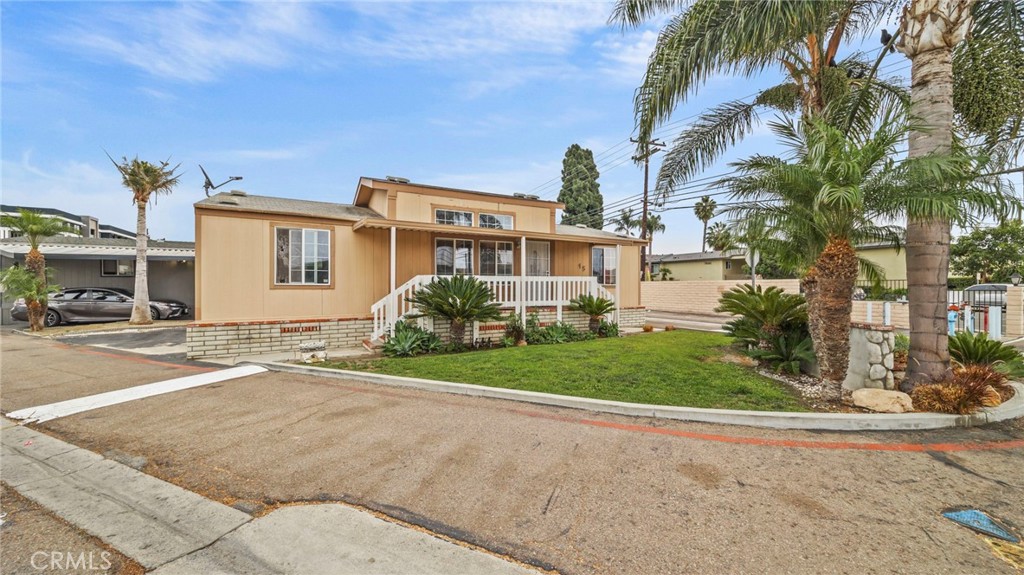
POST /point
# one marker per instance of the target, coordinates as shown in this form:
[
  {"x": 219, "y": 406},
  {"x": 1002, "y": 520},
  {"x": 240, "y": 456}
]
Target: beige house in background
[
  {"x": 729, "y": 265},
  {"x": 274, "y": 272}
]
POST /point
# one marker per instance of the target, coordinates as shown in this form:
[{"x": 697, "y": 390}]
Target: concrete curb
[{"x": 771, "y": 419}]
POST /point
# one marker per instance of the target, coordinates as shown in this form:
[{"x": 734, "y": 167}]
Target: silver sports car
[{"x": 97, "y": 304}]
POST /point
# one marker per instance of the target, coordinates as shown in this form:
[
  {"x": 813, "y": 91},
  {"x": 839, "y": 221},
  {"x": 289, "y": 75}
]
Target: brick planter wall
[{"x": 206, "y": 340}]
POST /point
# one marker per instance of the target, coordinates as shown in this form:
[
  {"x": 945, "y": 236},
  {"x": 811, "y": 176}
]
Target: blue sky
[{"x": 303, "y": 98}]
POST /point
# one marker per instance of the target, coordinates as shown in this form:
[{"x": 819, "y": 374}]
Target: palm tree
[
  {"x": 705, "y": 210},
  {"x": 709, "y": 37},
  {"x": 984, "y": 97},
  {"x": 146, "y": 181},
  {"x": 35, "y": 226},
  {"x": 625, "y": 222},
  {"x": 719, "y": 238},
  {"x": 594, "y": 307},
  {"x": 654, "y": 225},
  {"x": 829, "y": 199}
]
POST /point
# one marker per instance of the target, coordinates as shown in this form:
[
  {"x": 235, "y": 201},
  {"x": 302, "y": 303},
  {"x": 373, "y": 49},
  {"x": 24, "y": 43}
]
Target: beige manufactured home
[{"x": 272, "y": 273}]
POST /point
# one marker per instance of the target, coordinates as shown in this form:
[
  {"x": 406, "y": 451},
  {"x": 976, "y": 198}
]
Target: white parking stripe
[{"x": 72, "y": 406}]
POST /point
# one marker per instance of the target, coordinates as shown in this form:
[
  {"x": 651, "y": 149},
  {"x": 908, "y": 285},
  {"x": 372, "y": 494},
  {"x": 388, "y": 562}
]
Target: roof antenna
[{"x": 208, "y": 184}]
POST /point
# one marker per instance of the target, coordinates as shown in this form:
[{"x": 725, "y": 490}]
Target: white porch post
[
  {"x": 392, "y": 313},
  {"x": 618, "y": 282},
  {"x": 521, "y": 292}
]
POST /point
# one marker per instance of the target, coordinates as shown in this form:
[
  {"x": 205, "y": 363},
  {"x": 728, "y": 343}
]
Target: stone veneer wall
[
  {"x": 871, "y": 357},
  {"x": 226, "y": 339}
]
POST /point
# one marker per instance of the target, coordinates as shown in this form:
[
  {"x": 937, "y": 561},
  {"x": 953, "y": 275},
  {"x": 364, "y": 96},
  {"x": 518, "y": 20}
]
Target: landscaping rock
[
  {"x": 873, "y": 336},
  {"x": 883, "y": 400},
  {"x": 877, "y": 372}
]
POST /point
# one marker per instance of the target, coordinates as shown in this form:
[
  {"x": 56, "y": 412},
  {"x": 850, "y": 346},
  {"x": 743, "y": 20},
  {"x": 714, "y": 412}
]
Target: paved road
[{"x": 578, "y": 492}]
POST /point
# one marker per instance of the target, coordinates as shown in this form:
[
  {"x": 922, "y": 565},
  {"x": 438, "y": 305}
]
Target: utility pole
[{"x": 651, "y": 147}]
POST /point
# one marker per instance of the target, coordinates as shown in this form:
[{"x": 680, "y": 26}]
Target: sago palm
[
  {"x": 146, "y": 181},
  {"x": 34, "y": 227},
  {"x": 800, "y": 38},
  {"x": 457, "y": 299},
  {"x": 594, "y": 307}
]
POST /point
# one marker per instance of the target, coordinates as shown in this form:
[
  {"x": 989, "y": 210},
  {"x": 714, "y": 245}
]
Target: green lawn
[{"x": 673, "y": 368}]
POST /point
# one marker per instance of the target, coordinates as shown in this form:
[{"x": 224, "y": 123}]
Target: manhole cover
[{"x": 981, "y": 522}]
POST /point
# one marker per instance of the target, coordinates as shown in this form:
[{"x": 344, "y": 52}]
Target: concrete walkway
[{"x": 173, "y": 530}]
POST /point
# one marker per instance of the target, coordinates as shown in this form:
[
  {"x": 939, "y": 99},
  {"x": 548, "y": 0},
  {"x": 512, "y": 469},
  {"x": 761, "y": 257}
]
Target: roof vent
[
  {"x": 228, "y": 201},
  {"x": 397, "y": 180},
  {"x": 519, "y": 196},
  {"x": 532, "y": 197},
  {"x": 238, "y": 193},
  {"x": 581, "y": 226}
]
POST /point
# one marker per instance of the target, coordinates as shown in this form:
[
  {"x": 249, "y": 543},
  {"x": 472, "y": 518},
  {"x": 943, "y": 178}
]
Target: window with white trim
[
  {"x": 496, "y": 221},
  {"x": 496, "y": 258},
  {"x": 303, "y": 256},
  {"x": 538, "y": 258},
  {"x": 119, "y": 268},
  {"x": 453, "y": 218},
  {"x": 453, "y": 257},
  {"x": 603, "y": 263}
]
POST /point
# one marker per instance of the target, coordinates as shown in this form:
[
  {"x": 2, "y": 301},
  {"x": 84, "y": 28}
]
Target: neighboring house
[
  {"x": 274, "y": 272},
  {"x": 729, "y": 265},
  {"x": 700, "y": 265},
  {"x": 108, "y": 262},
  {"x": 83, "y": 226}
]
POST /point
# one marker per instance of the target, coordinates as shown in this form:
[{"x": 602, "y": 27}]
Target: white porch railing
[{"x": 509, "y": 291}]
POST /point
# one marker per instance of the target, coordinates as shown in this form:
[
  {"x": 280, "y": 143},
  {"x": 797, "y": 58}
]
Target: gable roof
[
  {"x": 285, "y": 206},
  {"x": 366, "y": 184}
]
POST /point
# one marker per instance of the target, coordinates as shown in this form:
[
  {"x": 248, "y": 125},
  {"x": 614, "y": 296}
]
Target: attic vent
[
  {"x": 228, "y": 201},
  {"x": 397, "y": 180},
  {"x": 238, "y": 193},
  {"x": 581, "y": 226}
]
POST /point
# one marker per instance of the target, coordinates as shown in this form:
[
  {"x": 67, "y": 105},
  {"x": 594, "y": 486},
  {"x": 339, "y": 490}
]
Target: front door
[{"x": 538, "y": 258}]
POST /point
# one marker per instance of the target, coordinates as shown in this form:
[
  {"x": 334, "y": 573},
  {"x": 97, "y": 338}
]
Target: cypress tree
[{"x": 581, "y": 193}]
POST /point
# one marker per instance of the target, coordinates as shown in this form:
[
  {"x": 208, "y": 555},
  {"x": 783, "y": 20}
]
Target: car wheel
[
  {"x": 52, "y": 318},
  {"x": 155, "y": 313}
]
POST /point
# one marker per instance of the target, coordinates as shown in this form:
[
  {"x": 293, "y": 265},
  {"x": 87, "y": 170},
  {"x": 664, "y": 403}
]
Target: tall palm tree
[
  {"x": 719, "y": 238},
  {"x": 146, "y": 181},
  {"x": 625, "y": 222},
  {"x": 746, "y": 37},
  {"x": 829, "y": 199},
  {"x": 654, "y": 225},
  {"x": 35, "y": 226},
  {"x": 705, "y": 210},
  {"x": 931, "y": 35}
]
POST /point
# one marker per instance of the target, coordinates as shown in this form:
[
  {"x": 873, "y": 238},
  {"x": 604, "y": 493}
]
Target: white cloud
[
  {"x": 625, "y": 55},
  {"x": 196, "y": 41}
]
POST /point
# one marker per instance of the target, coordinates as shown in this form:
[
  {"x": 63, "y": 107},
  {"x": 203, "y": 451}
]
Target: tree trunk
[
  {"x": 704, "y": 238},
  {"x": 930, "y": 30},
  {"x": 837, "y": 268},
  {"x": 35, "y": 262},
  {"x": 457, "y": 332},
  {"x": 809, "y": 285},
  {"x": 594, "y": 324},
  {"x": 140, "y": 310}
]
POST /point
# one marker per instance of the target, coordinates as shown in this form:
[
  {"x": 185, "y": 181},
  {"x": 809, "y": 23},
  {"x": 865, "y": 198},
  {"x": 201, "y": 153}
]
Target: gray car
[
  {"x": 96, "y": 305},
  {"x": 986, "y": 295}
]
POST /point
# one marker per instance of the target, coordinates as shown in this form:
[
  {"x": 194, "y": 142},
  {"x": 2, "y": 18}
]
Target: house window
[
  {"x": 453, "y": 218},
  {"x": 728, "y": 265},
  {"x": 453, "y": 257},
  {"x": 125, "y": 268},
  {"x": 603, "y": 263},
  {"x": 496, "y": 221},
  {"x": 303, "y": 256},
  {"x": 496, "y": 258}
]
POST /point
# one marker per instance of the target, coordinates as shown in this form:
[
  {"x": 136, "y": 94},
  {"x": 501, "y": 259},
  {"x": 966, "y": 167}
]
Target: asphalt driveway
[
  {"x": 577, "y": 492},
  {"x": 168, "y": 342}
]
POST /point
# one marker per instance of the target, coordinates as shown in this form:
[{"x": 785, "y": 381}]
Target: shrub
[
  {"x": 967, "y": 348},
  {"x": 608, "y": 329},
  {"x": 558, "y": 332},
  {"x": 409, "y": 340},
  {"x": 594, "y": 307},
  {"x": 515, "y": 329},
  {"x": 786, "y": 353},
  {"x": 902, "y": 342},
  {"x": 971, "y": 388},
  {"x": 763, "y": 314}
]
